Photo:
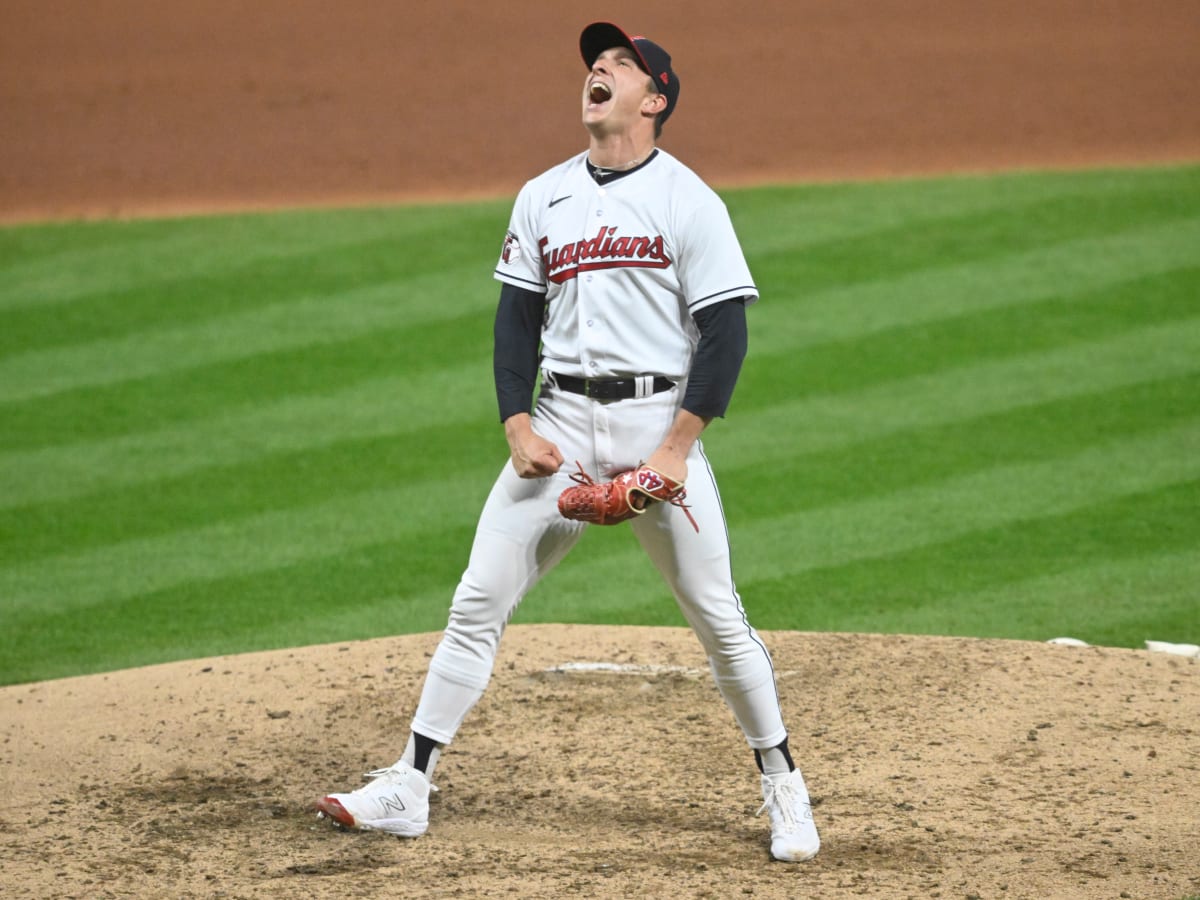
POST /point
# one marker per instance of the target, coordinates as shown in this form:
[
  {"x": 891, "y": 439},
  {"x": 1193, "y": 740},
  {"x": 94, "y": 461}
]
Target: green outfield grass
[{"x": 971, "y": 407}]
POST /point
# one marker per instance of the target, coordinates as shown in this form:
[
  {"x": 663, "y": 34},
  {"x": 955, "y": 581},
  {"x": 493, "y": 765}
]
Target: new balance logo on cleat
[{"x": 392, "y": 804}]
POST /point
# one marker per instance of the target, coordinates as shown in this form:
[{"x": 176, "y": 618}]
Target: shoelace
[
  {"x": 393, "y": 773},
  {"x": 783, "y": 797}
]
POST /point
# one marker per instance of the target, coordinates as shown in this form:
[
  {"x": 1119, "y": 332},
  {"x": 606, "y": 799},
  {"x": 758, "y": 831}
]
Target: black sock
[{"x": 423, "y": 748}]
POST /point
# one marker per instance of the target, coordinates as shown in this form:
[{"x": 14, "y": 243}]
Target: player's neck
[{"x": 619, "y": 154}]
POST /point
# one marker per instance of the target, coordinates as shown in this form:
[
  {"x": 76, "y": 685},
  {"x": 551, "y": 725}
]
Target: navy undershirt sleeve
[
  {"x": 718, "y": 359},
  {"x": 517, "y": 348}
]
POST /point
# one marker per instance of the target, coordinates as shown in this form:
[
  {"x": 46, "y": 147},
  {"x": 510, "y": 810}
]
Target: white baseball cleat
[
  {"x": 793, "y": 834},
  {"x": 395, "y": 801}
]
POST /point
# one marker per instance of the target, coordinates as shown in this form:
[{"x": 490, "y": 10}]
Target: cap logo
[{"x": 663, "y": 77}]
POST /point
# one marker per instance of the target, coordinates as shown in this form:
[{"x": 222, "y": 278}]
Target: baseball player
[{"x": 624, "y": 284}]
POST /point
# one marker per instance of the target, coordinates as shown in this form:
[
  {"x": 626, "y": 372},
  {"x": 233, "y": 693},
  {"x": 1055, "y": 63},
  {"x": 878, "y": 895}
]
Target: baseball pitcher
[{"x": 624, "y": 286}]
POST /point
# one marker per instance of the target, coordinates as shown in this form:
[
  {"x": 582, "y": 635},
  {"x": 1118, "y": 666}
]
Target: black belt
[{"x": 609, "y": 388}]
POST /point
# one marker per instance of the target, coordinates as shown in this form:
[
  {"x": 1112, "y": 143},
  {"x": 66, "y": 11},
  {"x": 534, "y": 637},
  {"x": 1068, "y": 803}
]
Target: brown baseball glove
[{"x": 627, "y": 495}]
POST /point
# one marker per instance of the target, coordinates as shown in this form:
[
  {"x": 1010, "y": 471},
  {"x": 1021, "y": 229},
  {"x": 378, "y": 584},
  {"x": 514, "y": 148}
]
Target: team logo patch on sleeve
[{"x": 512, "y": 248}]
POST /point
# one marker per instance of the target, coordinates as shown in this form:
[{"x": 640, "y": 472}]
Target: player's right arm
[
  {"x": 518, "y": 333},
  {"x": 515, "y": 363}
]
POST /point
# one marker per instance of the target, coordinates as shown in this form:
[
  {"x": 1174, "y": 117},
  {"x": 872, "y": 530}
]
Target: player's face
[{"x": 616, "y": 92}]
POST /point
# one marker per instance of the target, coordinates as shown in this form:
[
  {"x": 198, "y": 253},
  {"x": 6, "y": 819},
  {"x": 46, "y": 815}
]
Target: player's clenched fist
[{"x": 532, "y": 455}]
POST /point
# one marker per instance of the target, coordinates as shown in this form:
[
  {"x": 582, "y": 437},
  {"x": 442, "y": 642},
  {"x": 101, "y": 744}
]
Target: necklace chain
[{"x": 609, "y": 170}]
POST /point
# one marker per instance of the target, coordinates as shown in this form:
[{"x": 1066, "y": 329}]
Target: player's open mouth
[{"x": 599, "y": 92}]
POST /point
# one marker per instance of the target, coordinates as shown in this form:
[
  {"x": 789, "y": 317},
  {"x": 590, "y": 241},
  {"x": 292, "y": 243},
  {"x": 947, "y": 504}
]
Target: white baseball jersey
[{"x": 624, "y": 265}]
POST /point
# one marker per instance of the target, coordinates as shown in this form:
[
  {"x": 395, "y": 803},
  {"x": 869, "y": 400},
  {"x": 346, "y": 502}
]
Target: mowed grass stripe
[
  {"x": 291, "y": 480},
  {"x": 274, "y": 303},
  {"x": 791, "y": 217},
  {"x": 354, "y": 275},
  {"x": 900, "y": 460},
  {"x": 934, "y": 511},
  {"x": 786, "y": 543},
  {"x": 1107, "y": 601},
  {"x": 286, "y": 606},
  {"x": 224, "y": 494},
  {"x": 99, "y": 263},
  {"x": 245, "y": 544},
  {"x": 896, "y": 591},
  {"x": 829, "y": 421},
  {"x": 195, "y": 297},
  {"x": 392, "y": 405},
  {"x": 971, "y": 338},
  {"x": 783, "y": 546},
  {"x": 798, "y": 319},
  {"x": 311, "y": 321},
  {"x": 393, "y": 587},
  {"x": 972, "y": 238},
  {"x": 150, "y": 403},
  {"x": 461, "y": 396}
]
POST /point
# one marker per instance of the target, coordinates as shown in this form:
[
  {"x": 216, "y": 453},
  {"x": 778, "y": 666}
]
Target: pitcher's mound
[{"x": 602, "y": 763}]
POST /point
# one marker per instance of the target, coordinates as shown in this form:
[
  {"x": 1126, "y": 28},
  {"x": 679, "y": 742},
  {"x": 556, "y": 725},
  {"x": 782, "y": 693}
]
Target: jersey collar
[{"x": 608, "y": 176}]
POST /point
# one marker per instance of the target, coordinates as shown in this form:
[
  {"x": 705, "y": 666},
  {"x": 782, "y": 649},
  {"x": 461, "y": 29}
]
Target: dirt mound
[{"x": 939, "y": 767}]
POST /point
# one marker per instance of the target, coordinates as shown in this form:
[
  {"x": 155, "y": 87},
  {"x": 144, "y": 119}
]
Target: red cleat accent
[{"x": 335, "y": 811}]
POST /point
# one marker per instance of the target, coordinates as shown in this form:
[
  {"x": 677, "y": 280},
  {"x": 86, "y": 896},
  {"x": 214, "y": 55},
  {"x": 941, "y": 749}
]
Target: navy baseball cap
[{"x": 655, "y": 61}]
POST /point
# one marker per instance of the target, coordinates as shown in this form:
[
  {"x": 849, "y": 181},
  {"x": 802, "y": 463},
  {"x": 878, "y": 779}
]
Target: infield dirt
[
  {"x": 129, "y": 107},
  {"x": 939, "y": 767}
]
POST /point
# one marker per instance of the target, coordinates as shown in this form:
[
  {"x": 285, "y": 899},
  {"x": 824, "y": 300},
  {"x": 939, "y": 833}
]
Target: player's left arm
[{"x": 714, "y": 373}]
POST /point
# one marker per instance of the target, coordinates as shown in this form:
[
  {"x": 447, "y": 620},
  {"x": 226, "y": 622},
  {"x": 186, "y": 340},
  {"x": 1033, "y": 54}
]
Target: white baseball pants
[{"x": 521, "y": 536}]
